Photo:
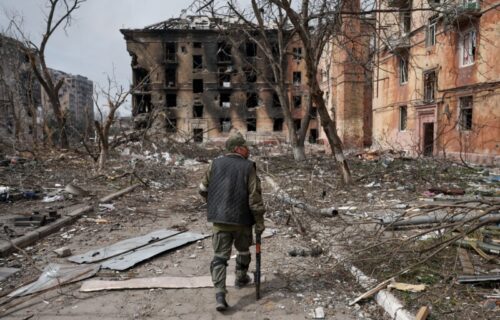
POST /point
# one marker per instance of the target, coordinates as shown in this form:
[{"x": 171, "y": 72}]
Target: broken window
[
  {"x": 465, "y": 117},
  {"x": 252, "y": 124},
  {"x": 197, "y": 45},
  {"x": 297, "y": 53},
  {"x": 429, "y": 86},
  {"x": 142, "y": 80},
  {"x": 250, "y": 75},
  {"x": 183, "y": 49},
  {"x": 431, "y": 32},
  {"x": 405, "y": 17},
  {"x": 198, "y": 135},
  {"x": 278, "y": 124},
  {"x": 197, "y": 62},
  {"x": 171, "y": 100},
  {"x": 250, "y": 49},
  {"x": 225, "y": 100},
  {"x": 296, "y": 124},
  {"x": 143, "y": 103},
  {"x": 403, "y": 69},
  {"x": 224, "y": 78},
  {"x": 171, "y": 125},
  {"x": 197, "y": 85},
  {"x": 297, "y": 101},
  {"x": 403, "y": 118},
  {"x": 276, "y": 101},
  {"x": 297, "y": 78},
  {"x": 313, "y": 112},
  {"x": 170, "y": 54},
  {"x": 468, "y": 48},
  {"x": 252, "y": 100},
  {"x": 225, "y": 124},
  {"x": 313, "y": 136},
  {"x": 198, "y": 111},
  {"x": 224, "y": 52},
  {"x": 170, "y": 78}
]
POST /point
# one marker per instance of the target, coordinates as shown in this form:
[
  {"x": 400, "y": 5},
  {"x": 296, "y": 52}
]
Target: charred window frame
[
  {"x": 170, "y": 52},
  {"x": 465, "y": 115},
  {"x": 171, "y": 77},
  {"x": 430, "y": 82},
  {"x": 297, "y": 102},
  {"x": 468, "y": 48},
  {"x": 171, "y": 100},
  {"x": 430, "y": 39},
  {"x": 224, "y": 124},
  {"x": 297, "y": 78},
  {"x": 171, "y": 125},
  {"x": 197, "y": 62},
  {"x": 277, "y": 124},
  {"x": 252, "y": 100},
  {"x": 403, "y": 68},
  {"x": 224, "y": 78},
  {"x": 252, "y": 124},
  {"x": 250, "y": 49},
  {"x": 224, "y": 52},
  {"x": 197, "y": 85},
  {"x": 403, "y": 118},
  {"x": 297, "y": 53},
  {"x": 198, "y": 111},
  {"x": 225, "y": 100},
  {"x": 276, "y": 101},
  {"x": 250, "y": 75}
]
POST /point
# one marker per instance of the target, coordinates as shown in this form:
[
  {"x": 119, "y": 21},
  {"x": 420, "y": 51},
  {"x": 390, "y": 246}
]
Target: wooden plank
[
  {"x": 154, "y": 282},
  {"x": 371, "y": 292},
  {"x": 467, "y": 266},
  {"x": 423, "y": 313}
]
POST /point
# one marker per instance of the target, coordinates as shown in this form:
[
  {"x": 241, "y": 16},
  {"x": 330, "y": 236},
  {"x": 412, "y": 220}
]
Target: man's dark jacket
[{"x": 228, "y": 191}]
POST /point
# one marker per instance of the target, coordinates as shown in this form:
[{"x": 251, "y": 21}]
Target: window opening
[
  {"x": 252, "y": 124},
  {"x": 465, "y": 117},
  {"x": 197, "y": 85}
]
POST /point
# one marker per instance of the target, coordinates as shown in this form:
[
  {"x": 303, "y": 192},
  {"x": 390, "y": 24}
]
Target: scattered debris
[
  {"x": 76, "y": 190},
  {"x": 423, "y": 313},
  {"x": 371, "y": 292},
  {"x": 479, "y": 278},
  {"x": 48, "y": 199},
  {"x": 63, "y": 252},
  {"x": 7, "y": 272},
  {"x": 55, "y": 275},
  {"x": 467, "y": 266},
  {"x": 122, "y": 246},
  {"x": 319, "y": 313},
  {"x": 407, "y": 287},
  {"x": 131, "y": 258}
]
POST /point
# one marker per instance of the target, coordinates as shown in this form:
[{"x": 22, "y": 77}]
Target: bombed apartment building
[
  {"x": 437, "y": 81},
  {"x": 19, "y": 93},
  {"x": 200, "y": 81},
  {"x": 76, "y": 96}
]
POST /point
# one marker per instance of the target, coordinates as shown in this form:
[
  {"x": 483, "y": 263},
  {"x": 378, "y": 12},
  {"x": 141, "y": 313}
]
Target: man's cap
[{"x": 235, "y": 140}]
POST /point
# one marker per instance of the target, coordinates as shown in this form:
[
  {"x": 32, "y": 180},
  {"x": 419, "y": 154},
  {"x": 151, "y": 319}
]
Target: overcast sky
[{"x": 93, "y": 43}]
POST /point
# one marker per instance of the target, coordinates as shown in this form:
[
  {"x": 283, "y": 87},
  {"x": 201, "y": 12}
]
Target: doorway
[{"x": 428, "y": 139}]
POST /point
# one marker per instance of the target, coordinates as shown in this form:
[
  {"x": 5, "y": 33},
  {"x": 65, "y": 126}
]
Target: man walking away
[{"x": 234, "y": 198}]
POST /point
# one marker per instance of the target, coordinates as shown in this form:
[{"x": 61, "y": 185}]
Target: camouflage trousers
[{"x": 222, "y": 242}]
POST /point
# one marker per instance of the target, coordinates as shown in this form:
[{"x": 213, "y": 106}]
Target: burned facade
[
  {"x": 202, "y": 81},
  {"x": 436, "y": 81},
  {"x": 20, "y": 101}
]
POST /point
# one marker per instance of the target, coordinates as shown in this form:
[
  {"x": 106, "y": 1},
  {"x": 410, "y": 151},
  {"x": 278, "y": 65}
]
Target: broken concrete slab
[
  {"x": 131, "y": 258},
  {"x": 55, "y": 275},
  {"x": 154, "y": 282},
  {"x": 63, "y": 252},
  {"x": 122, "y": 246},
  {"x": 7, "y": 272}
]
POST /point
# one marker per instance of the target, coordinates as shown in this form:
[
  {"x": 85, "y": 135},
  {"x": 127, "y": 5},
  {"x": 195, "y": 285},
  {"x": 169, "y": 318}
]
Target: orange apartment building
[{"x": 437, "y": 80}]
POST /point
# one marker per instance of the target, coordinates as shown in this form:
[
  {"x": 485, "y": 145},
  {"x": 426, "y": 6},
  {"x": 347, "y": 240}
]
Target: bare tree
[{"x": 59, "y": 15}]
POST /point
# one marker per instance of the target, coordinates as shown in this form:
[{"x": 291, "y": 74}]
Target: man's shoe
[
  {"x": 243, "y": 281},
  {"x": 221, "y": 304}
]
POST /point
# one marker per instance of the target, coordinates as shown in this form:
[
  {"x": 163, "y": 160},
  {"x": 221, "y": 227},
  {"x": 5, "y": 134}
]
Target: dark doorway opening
[
  {"x": 198, "y": 135},
  {"x": 313, "y": 136},
  {"x": 428, "y": 139}
]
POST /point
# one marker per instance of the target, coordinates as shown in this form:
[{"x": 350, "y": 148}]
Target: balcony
[
  {"x": 462, "y": 12},
  {"x": 398, "y": 43}
]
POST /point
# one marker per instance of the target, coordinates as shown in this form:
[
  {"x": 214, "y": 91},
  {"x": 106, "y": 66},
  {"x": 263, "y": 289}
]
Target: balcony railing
[
  {"x": 457, "y": 12},
  {"x": 398, "y": 43}
]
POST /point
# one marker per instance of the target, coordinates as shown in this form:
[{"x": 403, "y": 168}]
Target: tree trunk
[
  {"x": 103, "y": 157},
  {"x": 299, "y": 153}
]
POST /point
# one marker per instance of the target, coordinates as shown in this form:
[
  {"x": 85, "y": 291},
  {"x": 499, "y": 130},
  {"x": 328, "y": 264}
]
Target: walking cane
[{"x": 257, "y": 265}]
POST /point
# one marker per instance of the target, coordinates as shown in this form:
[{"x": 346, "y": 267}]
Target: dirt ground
[{"x": 294, "y": 285}]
